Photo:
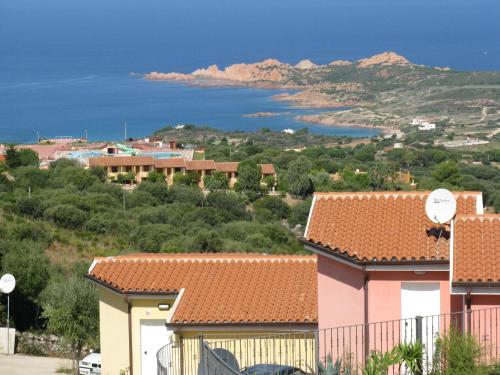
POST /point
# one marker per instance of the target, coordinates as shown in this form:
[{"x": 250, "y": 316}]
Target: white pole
[{"x": 8, "y": 313}]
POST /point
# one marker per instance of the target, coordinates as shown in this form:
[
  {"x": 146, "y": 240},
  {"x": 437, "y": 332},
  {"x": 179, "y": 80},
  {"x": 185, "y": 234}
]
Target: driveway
[{"x": 28, "y": 365}]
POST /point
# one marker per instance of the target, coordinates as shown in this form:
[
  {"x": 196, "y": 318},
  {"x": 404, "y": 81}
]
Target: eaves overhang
[
  {"x": 131, "y": 294},
  {"x": 373, "y": 265}
]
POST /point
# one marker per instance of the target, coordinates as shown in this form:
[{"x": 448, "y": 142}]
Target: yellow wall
[
  {"x": 263, "y": 345},
  {"x": 145, "y": 309},
  {"x": 113, "y": 314}
]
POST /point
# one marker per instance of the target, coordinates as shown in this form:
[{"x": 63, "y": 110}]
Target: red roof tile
[
  {"x": 117, "y": 161},
  {"x": 170, "y": 163},
  {"x": 476, "y": 249},
  {"x": 199, "y": 165},
  {"x": 220, "y": 288},
  {"x": 381, "y": 226},
  {"x": 228, "y": 166},
  {"x": 267, "y": 169}
]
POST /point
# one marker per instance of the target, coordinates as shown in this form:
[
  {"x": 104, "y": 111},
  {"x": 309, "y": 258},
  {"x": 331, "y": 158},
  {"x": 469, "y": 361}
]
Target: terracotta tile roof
[
  {"x": 118, "y": 161},
  {"x": 267, "y": 169},
  {"x": 228, "y": 166},
  {"x": 2, "y": 157},
  {"x": 220, "y": 288},
  {"x": 476, "y": 249},
  {"x": 381, "y": 226},
  {"x": 199, "y": 165},
  {"x": 170, "y": 163}
]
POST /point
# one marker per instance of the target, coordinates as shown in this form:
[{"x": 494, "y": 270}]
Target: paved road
[{"x": 27, "y": 365}]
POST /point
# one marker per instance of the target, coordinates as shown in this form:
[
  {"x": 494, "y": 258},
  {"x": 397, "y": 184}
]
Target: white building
[
  {"x": 288, "y": 131},
  {"x": 423, "y": 124},
  {"x": 427, "y": 126}
]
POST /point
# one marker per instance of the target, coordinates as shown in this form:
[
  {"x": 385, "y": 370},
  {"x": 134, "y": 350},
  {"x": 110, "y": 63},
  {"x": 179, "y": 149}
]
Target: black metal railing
[{"x": 302, "y": 351}]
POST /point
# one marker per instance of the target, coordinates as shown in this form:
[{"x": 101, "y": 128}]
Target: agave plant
[{"x": 333, "y": 368}]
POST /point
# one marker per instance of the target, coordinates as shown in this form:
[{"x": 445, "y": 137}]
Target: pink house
[{"x": 380, "y": 259}]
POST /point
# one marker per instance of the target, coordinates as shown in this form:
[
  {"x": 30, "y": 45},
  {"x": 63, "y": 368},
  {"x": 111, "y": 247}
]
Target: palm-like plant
[{"x": 411, "y": 356}]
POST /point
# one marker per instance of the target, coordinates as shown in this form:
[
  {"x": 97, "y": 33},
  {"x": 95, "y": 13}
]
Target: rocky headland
[{"x": 385, "y": 90}]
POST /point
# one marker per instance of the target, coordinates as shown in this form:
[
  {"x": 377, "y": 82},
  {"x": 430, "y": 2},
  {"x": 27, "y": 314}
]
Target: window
[
  {"x": 114, "y": 169},
  {"x": 128, "y": 169},
  {"x": 145, "y": 168}
]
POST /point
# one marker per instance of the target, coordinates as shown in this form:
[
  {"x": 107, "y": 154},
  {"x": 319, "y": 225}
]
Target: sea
[{"x": 73, "y": 67}]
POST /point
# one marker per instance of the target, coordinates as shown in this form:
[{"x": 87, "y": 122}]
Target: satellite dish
[
  {"x": 7, "y": 283},
  {"x": 440, "y": 206}
]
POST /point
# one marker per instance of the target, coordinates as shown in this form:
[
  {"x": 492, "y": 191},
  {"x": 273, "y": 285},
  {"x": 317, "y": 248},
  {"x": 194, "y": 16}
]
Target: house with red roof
[
  {"x": 148, "y": 301},
  {"x": 380, "y": 259}
]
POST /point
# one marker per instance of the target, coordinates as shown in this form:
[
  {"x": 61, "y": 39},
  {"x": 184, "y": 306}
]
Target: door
[
  {"x": 421, "y": 299},
  {"x": 154, "y": 335}
]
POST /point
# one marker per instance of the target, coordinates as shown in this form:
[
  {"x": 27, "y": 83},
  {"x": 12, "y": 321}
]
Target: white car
[{"x": 91, "y": 364}]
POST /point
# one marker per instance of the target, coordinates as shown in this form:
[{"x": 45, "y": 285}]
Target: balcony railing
[{"x": 301, "y": 352}]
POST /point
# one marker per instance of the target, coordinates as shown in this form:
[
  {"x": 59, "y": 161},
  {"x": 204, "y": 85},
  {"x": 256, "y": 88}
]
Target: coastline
[
  {"x": 328, "y": 121},
  {"x": 303, "y": 99}
]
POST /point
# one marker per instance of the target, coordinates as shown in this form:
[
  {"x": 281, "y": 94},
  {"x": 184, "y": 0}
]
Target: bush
[
  {"x": 206, "y": 242},
  {"x": 458, "y": 353},
  {"x": 275, "y": 205},
  {"x": 140, "y": 198},
  {"x": 29, "y": 206},
  {"x": 186, "y": 194},
  {"x": 216, "y": 181},
  {"x": 188, "y": 179},
  {"x": 150, "y": 237},
  {"x": 159, "y": 189},
  {"x": 66, "y": 216},
  {"x": 229, "y": 204},
  {"x": 97, "y": 224},
  {"x": 300, "y": 213}
]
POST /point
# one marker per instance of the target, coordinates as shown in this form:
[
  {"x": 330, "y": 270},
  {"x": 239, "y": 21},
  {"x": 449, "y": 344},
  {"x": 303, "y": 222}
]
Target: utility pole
[
  {"x": 86, "y": 136},
  {"x": 125, "y": 126},
  {"x": 124, "y": 206}
]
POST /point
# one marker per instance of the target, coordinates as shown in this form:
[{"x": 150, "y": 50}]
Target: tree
[
  {"x": 66, "y": 216},
  {"x": 279, "y": 209},
  {"x": 12, "y": 157},
  {"x": 448, "y": 172},
  {"x": 28, "y": 157},
  {"x": 206, "y": 242},
  {"x": 229, "y": 204},
  {"x": 158, "y": 189},
  {"x": 20, "y": 158},
  {"x": 150, "y": 237},
  {"x": 186, "y": 194},
  {"x": 71, "y": 308},
  {"x": 154, "y": 176},
  {"x": 300, "y": 213},
  {"x": 216, "y": 181},
  {"x": 189, "y": 179},
  {"x": 30, "y": 266},
  {"x": 299, "y": 182},
  {"x": 249, "y": 175}
]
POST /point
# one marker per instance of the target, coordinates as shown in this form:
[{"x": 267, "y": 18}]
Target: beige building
[
  {"x": 155, "y": 309},
  {"x": 140, "y": 166}
]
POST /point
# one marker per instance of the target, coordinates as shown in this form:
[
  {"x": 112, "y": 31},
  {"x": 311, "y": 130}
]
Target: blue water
[{"x": 64, "y": 65}]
